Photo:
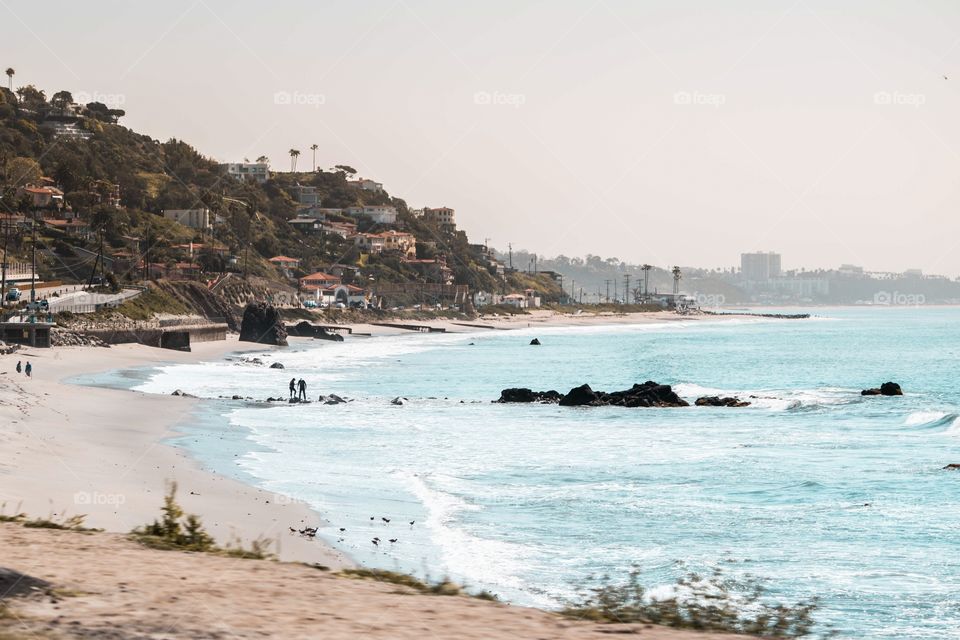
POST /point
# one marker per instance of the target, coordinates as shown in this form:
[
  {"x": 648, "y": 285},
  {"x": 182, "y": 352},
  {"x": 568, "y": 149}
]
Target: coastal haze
[
  {"x": 413, "y": 319},
  {"x": 654, "y": 132}
]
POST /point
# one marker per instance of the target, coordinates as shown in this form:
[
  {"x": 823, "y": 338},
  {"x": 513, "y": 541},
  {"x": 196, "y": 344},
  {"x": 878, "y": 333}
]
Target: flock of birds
[{"x": 311, "y": 532}]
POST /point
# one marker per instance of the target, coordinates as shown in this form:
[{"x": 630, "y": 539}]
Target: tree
[
  {"x": 345, "y": 168},
  {"x": 61, "y": 99},
  {"x": 314, "y": 148},
  {"x": 32, "y": 98},
  {"x": 294, "y": 153},
  {"x": 263, "y": 160},
  {"x": 10, "y": 73},
  {"x": 22, "y": 171}
]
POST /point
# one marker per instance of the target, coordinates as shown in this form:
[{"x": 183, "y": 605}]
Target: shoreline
[{"x": 108, "y": 453}]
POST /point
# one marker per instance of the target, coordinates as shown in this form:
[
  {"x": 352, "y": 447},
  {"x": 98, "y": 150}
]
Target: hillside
[{"x": 99, "y": 190}]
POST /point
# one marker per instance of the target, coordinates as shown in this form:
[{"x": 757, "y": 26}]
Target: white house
[
  {"x": 367, "y": 185},
  {"x": 193, "y": 218},
  {"x": 253, "y": 171},
  {"x": 443, "y": 217},
  {"x": 381, "y": 214}
]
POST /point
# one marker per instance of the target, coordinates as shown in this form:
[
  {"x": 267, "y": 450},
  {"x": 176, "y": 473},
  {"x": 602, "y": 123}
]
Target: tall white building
[
  {"x": 381, "y": 214},
  {"x": 759, "y": 266}
]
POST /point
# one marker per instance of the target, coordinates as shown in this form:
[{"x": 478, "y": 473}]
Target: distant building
[
  {"x": 305, "y": 195},
  {"x": 258, "y": 172},
  {"x": 285, "y": 264},
  {"x": 851, "y": 269},
  {"x": 367, "y": 185},
  {"x": 319, "y": 280},
  {"x": 193, "y": 218},
  {"x": 404, "y": 243},
  {"x": 42, "y": 197},
  {"x": 443, "y": 217},
  {"x": 380, "y": 214},
  {"x": 913, "y": 273},
  {"x": 759, "y": 266}
]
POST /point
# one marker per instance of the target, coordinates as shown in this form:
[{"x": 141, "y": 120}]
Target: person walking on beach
[
  {"x": 19, "y": 367},
  {"x": 303, "y": 389},
  {"x": 28, "y": 369},
  {"x": 293, "y": 387}
]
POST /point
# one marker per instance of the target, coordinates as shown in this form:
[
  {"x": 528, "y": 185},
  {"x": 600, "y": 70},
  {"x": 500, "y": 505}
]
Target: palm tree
[
  {"x": 10, "y": 73},
  {"x": 293, "y": 159},
  {"x": 314, "y": 148}
]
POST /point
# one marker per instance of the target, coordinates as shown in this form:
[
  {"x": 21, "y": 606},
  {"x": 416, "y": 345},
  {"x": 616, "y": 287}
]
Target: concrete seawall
[{"x": 179, "y": 337}]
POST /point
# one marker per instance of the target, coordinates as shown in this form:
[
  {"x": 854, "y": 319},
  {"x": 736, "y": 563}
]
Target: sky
[{"x": 657, "y": 131}]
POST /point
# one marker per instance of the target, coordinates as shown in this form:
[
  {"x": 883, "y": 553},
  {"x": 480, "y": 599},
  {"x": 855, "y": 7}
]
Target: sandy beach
[{"x": 99, "y": 452}]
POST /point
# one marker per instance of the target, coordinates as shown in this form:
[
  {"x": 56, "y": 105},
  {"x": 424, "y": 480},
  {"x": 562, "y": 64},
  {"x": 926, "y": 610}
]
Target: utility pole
[
  {"x": 33, "y": 259},
  {"x": 626, "y": 288},
  {"x": 646, "y": 281},
  {"x": 573, "y": 290},
  {"x": 561, "y": 289},
  {"x": 510, "y": 248},
  {"x": 3, "y": 286},
  {"x": 607, "y": 282}
]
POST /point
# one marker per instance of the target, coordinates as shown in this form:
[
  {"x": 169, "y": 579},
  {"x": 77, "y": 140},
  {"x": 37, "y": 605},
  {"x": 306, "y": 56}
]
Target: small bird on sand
[
  {"x": 393, "y": 539},
  {"x": 385, "y": 519},
  {"x": 371, "y": 517},
  {"x": 413, "y": 522},
  {"x": 343, "y": 529},
  {"x": 375, "y": 542}
]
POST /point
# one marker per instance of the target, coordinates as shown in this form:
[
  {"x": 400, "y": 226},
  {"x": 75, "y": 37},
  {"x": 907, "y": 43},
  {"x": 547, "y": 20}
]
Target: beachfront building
[
  {"x": 443, "y": 217},
  {"x": 193, "y": 218},
  {"x": 306, "y": 224},
  {"x": 380, "y": 214},
  {"x": 367, "y": 185},
  {"x": 258, "y": 172},
  {"x": 318, "y": 280}
]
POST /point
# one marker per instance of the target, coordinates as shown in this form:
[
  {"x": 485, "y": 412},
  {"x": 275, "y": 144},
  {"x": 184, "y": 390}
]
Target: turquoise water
[{"x": 814, "y": 487}]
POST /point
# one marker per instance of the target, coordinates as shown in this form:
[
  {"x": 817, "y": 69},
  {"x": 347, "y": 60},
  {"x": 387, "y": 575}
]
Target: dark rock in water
[
  {"x": 277, "y": 365},
  {"x": 526, "y": 395},
  {"x": 304, "y": 329},
  {"x": 716, "y": 401},
  {"x": 953, "y": 466},
  {"x": 331, "y": 399},
  {"x": 182, "y": 394},
  {"x": 886, "y": 389},
  {"x": 236, "y": 397},
  {"x": 579, "y": 397},
  {"x": 648, "y": 394},
  {"x": 399, "y": 401},
  {"x": 535, "y": 341},
  {"x": 262, "y": 323},
  {"x": 890, "y": 389}
]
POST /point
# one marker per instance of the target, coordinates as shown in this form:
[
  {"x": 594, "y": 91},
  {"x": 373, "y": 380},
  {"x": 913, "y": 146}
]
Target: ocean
[{"x": 818, "y": 490}]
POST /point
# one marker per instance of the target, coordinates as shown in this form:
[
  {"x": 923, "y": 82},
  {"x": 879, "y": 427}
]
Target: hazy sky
[{"x": 663, "y": 131}]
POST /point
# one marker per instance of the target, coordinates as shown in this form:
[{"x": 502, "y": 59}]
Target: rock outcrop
[
  {"x": 648, "y": 394},
  {"x": 262, "y": 323},
  {"x": 535, "y": 342},
  {"x": 886, "y": 389},
  {"x": 717, "y": 401},
  {"x": 526, "y": 395}
]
